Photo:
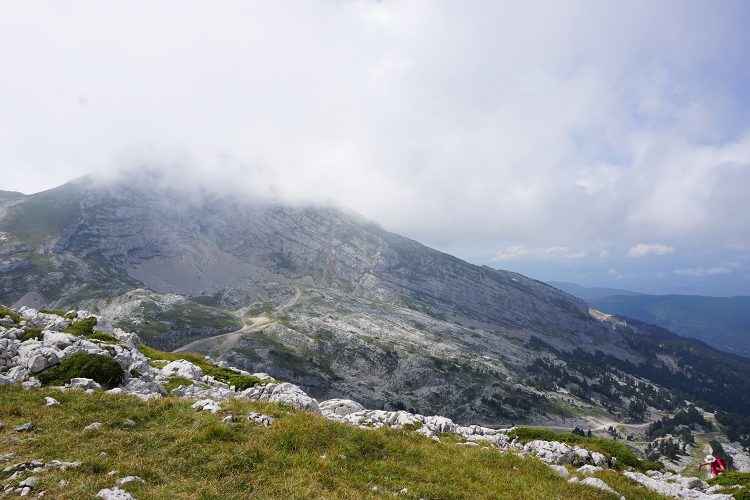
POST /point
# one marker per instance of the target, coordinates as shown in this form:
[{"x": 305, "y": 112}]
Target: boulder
[
  {"x": 182, "y": 368},
  {"x": 560, "y": 470},
  {"x": 83, "y": 383},
  {"x": 588, "y": 469},
  {"x": 285, "y": 393},
  {"x": 114, "y": 494},
  {"x": 206, "y": 405},
  {"x": 595, "y": 482},
  {"x": 340, "y": 407}
]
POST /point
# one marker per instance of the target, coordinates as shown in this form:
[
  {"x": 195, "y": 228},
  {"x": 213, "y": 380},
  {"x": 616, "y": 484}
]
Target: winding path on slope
[{"x": 224, "y": 341}]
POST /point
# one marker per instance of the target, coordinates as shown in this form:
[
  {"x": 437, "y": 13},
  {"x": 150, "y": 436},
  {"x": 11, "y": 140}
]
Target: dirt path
[{"x": 224, "y": 341}]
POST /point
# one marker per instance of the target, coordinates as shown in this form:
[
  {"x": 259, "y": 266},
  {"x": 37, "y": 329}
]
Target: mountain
[
  {"x": 338, "y": 305},
  {"x": 721, "y": 322}
]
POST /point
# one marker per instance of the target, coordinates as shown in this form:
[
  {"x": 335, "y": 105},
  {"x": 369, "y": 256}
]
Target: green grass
[
  {"x": 6, "y": 311},
  {"x": 104, "y": 337},
  {"x": 185, "y": 454},
  {"x": 175, "y": 382},
  {"x": 240, "y": 381},
  {"x": 103, "y": 369},
  {"x": 32, "y": 333},
  {"x": 57, "y": 312},
  {"x": 83, "y": 327},
  {"x": 732, "y": 478},
  {"x": 624, "y": 455}
]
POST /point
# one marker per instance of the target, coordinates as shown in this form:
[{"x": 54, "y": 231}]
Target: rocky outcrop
[{"x": 676, "y": 486}]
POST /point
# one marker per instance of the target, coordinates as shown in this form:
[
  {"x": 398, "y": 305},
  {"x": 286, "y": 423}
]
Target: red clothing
[{"x": 716, "y": 465}]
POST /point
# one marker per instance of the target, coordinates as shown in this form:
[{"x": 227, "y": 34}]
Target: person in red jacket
[{"x": 717, "y": 465}]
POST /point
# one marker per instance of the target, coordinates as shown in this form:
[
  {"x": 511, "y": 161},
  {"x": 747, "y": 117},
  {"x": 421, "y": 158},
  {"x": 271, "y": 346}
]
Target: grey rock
[
  {"x": 340, "y": 407},
  {"x": 83, "y": 383},
  {"x": 259, "y": 418},
  {"x": 94, "y": 426},
  {"x": 206, "y": 405},
  {"x": 31, "y": 482},
  {"x": 130, "y": 479},
  {"x": 588, "y": 469},
  {"x": 27, "y": 427},
  {"x": 48, "y": 401},
  {"x": 114, "y": 494},
  {"x": 560, "y": 470},
  {"x": 597, "y": 483}
]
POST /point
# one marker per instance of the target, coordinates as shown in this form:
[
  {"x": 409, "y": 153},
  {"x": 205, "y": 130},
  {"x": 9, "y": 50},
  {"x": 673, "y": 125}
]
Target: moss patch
[{"x": 102, "y": 369}]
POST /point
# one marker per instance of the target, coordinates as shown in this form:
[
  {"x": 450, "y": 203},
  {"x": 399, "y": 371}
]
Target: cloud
[
  {"x": 644, "y": 249},
  {"x": 726, "y": 268},
  {"x": 517, "y": 252},
  {"x": 477, "y": 125}
]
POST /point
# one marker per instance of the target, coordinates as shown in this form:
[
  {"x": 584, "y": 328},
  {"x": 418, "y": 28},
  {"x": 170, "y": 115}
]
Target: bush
[
  {"x": 56, "y": 312},
  {"x": 82, "y": 327},
  {"x": 6, "y": 311},
  {"x": 102, "y": 369},
  {"x": 32, "y": 333},
  {"x": 104, "y": 337}
]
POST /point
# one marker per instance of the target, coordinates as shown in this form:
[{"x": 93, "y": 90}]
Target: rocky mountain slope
[
  {"x": 64, "y": 351},
  {"x": 344, "y": 308}
]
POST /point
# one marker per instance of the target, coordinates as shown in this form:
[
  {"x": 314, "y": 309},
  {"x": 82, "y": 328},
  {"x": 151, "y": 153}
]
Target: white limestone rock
[
  {"x": 206, "y": 405},
  {"x": 588, "y": 469},
  {"x": 48, "y": 401},
  {"x": 282, "y": 393},
  {"x": 259, "y": 418},
  {"x": 114, "y": 494},
  {"x": 182, "y": 368},
  {"x": 595, "y": 482},
  {"x": 83, "y": 383},
  {"x": 340, "y": 407},
  {"x": 560, "y": 470}
]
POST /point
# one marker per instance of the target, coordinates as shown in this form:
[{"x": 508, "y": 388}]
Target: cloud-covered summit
[{"x": 556, "y": 131}]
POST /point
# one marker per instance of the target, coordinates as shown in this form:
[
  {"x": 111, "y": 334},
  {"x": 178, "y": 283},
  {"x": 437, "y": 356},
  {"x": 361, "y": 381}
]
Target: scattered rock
[
  {"x": 48, "y": 401},
  {"x": 228, "y": 419},
  {"x": 112, "y": 473},
  {"x": 114, "y": 494},
  {"x": 595, "y": 482},
  {"x": 259, "y": 418},
  {"x": 129, "y": 423},
  {"x": 588, "y": 469},
  {"x": 206, "y": 405},
  {"x": 130, "y": 479},
  {"x": 27, "y": 427},
  {"x": 30, "y": 481},
  {"x": 83, "y": 383},
  {"x": 94, "y": 426},
  {"x": 560, "y": 470},
  {"x": 31, "y": 384},
  {"x": 62, "y": 483}
]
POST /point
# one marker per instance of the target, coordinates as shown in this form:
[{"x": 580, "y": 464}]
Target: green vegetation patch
[
  {"x": 231, "y": 377},
  {"x": 7, "y": 311},
  {"x": 104, "y": 337},
  {"x": 32, "y": 333},
  {"x": 624, "y": 455},
  {"x": 82, "y": 327},
  {"x": 175, "y": 382},
  {"x": 102, "y": 369},
  {"x": 56, "y": 312},
  {"x": 731, "y": 478},
  {"x": 181, "y": 453}
]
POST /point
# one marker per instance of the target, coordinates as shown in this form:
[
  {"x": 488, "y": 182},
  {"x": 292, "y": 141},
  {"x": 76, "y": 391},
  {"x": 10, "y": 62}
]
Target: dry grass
[{"x": 181, "y": 453}]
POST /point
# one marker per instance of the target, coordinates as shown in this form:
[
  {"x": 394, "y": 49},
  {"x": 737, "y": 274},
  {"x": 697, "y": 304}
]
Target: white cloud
[
  {"x": 726, "y": 268},
  {"x": 517, "y": 252},
  {"x": 483, "y": 124},
  {"x": 643, "y": 249}
]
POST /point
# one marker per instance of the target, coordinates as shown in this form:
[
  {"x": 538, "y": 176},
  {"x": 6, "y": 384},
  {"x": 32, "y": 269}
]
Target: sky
[{"x": 602, "y": 143}]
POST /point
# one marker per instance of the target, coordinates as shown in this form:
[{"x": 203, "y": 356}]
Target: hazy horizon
[{"x": 599, "y": 144}]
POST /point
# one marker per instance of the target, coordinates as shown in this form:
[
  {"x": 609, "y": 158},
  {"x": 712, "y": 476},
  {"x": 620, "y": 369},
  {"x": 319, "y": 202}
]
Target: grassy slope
[{"x": 185, "y": 454}]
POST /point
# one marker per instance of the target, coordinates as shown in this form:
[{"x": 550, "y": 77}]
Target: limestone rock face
[
  {"x": 282, "y": 393},
  {"x": 340, "y": 407}
]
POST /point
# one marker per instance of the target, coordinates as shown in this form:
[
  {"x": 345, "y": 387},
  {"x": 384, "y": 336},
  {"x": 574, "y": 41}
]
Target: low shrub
[
  {"x": 56, "y": 312},
  {"x": 82, "y": 327},
  {"x": 32, "y": 333},
  {"x": 7, "y": 311},
  {"x": 102, "y": 369},
  {"x": 104, "y": 337}
]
